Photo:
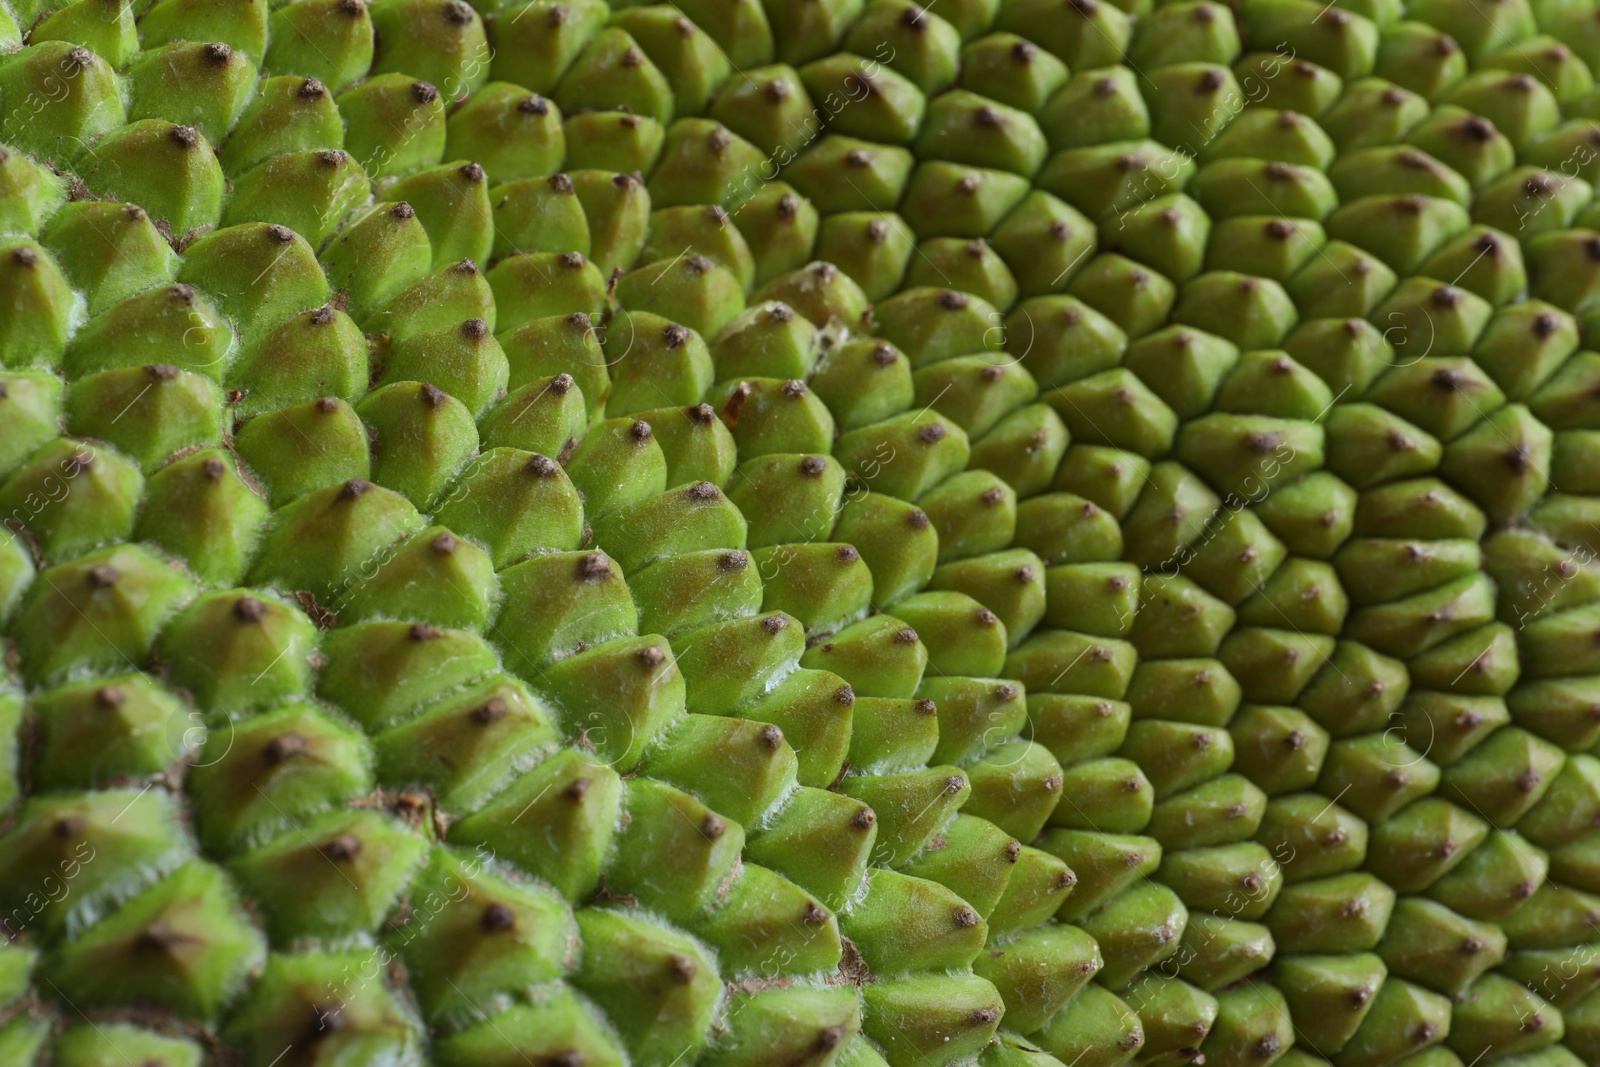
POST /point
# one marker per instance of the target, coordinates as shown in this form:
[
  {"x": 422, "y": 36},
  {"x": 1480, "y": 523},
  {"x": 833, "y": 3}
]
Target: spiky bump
[{"x": 1251, "y": 536}]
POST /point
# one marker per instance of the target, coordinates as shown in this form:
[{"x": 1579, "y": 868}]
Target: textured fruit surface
[{"x": 799, "y": 533}]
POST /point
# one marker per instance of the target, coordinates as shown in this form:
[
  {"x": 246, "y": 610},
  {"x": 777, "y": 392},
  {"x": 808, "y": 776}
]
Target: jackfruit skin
[{"x": 1041, "y": 531}]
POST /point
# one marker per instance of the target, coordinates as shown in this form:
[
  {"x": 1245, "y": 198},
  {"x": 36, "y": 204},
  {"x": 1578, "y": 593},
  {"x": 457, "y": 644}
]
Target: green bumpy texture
[{"x": 799, "y": 533}]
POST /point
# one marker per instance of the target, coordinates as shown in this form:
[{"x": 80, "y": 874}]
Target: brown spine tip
[
  {"x": 1267, "y": 1047},
  {"x": 682, "y": 969},
  {"x": 954, "y": 784},
  {"x": 845, "y": 695},
  {"x": 402, "y": 211},
  {"x": 184, "y": 136},
  {"x": 932, "y": 433},
  {"x": 813, "y": 466},
  {"x": 218, "y": 53},
  {"x": 331, "y": 157},
  {"x": 457, "y": 12},
  {"x": 157, "y": 937},
  {"x": 497, "y": 918},
  {"x": 109, "y": 696},
  {"x": 985, "y": 617},
  {"x": 905, "y": 636},
  {"x": 561, "y": 384},
  {"x": 69, "y": 826},
  {"x": 650, "y": 656},
  {"x": 863, "y": 818},
  {"x": 249, "y": 609},
  {"x": 794, "y": 389},
  {"x": 964, "y": 917},
  {"x": 884, "y": 354},
  {"x": 572, "y": 260},
  {"x": 701, "y": 414},
  {"x": 541, "y": 466},
  {"x": 576, "y": 789},
  {"x": 343, "y": 848},
  {"x": 985, "y": 1016},
  {"x": 103, "y": 576},
  {"x": 640, "y": 431},
  {"x": 925, "y": 707},
  {"x": 354, "y": 489},
  {"x": 594, "y": 567},
  {"x": 283, "y": 747},
  {"x": 533, "y": 105},
  {"x": 561, "y": 183},
  {"x": 675, "y": 336},
  {"x": 490, "y": 711},
  {"x": 917, "y": 519},
  {"x": 433, "y": 396},
  {"x": 847, "y": 554},
  {"x": 775, "y": 624},
  {"x": 713, "y": 826},
  {"x": 733, "y": 561},
  {"x": 161, "y": 372},
  {"x": 702, "y": 491},
  {"x": 421, "y": 631},
  {"x": 952, "y": 300},
  {"x": 472, "y": 172}
]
